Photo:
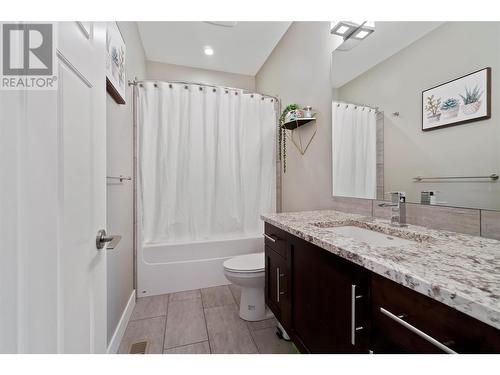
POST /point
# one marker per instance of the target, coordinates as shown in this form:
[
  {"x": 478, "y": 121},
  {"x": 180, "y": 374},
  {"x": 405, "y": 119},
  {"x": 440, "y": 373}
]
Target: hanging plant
[
  {"x": 284, "y": 150},
  {"x": 282, "y": 134}
]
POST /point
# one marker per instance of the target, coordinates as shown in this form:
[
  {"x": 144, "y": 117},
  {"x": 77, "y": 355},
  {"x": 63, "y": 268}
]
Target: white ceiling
[
  {"x": 241, "y": 49},
  {"x": 388, "y": 39}
]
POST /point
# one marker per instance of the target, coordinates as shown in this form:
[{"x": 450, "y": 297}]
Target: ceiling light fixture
[
  {"x": 343, "y": 28},
  {"x": 364, "y": 30},
  {"x": 361, "y": 34},
  {"x": 352, "y": 32},
  {"x": 208, "y": 51}
]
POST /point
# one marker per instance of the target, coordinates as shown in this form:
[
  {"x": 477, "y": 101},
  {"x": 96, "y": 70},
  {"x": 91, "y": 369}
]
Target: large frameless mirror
[{"x": 415, "y": 111}]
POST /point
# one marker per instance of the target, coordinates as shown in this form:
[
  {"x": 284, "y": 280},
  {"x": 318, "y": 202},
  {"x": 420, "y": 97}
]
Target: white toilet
[{"x": 248, "y": 272}]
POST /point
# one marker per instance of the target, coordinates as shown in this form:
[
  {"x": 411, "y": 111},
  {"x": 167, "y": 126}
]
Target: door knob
[{"x": 102, "y": 238}]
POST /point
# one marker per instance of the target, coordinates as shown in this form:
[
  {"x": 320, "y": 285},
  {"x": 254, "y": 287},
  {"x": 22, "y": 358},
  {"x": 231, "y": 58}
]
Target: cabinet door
[
  {"x": 277, "y": 286},
  {"x": 329, "y": 301}
]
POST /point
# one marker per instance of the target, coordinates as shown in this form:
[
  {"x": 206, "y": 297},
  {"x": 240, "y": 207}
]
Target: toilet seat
[{"x": 250, "y": 263}]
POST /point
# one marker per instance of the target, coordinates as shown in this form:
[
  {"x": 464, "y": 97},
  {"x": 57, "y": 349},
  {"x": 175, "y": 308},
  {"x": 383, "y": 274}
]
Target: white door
[{"x": 53, "y": 199}]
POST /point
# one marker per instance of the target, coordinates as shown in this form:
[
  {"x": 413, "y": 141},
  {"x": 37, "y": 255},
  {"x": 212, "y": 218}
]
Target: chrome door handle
[
  {"x": 277, "y": 284},
  {"x": 354, "y": 329},
  {"x": 279, "y": 275},
  {"x": 418, "y": 332},
  {"x": 102, "y": 239},
  {"x": 273, "y": 240}
]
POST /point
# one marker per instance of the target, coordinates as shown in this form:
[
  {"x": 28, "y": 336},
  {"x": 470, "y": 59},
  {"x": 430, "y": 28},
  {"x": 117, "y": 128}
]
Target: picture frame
[
  {"x": 115, "y": 63},
  {"x": 459, "y": 101}
]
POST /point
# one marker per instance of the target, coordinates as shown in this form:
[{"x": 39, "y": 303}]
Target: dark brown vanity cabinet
[
  {"x": 330, "y": 305},
  {"x": 319, "y": 298},
  {"x": 329, "y": 301}
]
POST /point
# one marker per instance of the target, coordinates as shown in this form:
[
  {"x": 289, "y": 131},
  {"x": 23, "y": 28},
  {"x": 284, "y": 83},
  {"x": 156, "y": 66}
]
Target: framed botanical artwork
[
  {"x": 462, "y": 100},
  {"x": 115, "y": 63}
]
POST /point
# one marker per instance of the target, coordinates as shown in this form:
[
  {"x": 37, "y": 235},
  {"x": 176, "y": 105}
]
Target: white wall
[
  {"x": 170, "y": 72},
  {"x": 395, "y": 85},
  {"x": 120, "y": 195},
  {"x": 298, "y": 71}
]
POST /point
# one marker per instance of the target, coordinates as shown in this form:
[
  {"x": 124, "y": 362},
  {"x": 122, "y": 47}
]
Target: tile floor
[{"x": 200, "y": 321}]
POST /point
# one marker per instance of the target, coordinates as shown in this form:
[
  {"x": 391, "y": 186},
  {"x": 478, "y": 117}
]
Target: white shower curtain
[
  {"x": 206, "y": 160},
  {"x": 354, "y": 151}
]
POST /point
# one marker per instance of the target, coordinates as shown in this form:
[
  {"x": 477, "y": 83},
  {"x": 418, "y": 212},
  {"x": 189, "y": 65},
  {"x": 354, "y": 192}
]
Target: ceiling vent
[{"x": 222, "y": 23}]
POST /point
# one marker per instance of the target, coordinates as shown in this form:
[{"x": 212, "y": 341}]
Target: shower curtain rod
[
  {"x": 135, "y": 82},
  {"x": 356, "y": 104}
]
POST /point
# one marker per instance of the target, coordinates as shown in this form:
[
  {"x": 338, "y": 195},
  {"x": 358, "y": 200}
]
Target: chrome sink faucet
[{"x": 398, "y": 211}]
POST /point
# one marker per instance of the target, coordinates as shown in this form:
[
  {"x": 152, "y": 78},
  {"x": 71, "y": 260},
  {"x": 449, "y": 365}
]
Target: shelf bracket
[{"x": 299, "y": 146}]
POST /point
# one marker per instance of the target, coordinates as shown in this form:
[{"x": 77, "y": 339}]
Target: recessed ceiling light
[{"x": 208, "y": 51}]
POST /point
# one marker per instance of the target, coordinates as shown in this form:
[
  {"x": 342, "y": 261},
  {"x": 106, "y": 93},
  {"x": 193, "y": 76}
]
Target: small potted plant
[
  {"x": 449, "y": 108},
  {"x": 471, "y": 101},
  {"x": 432, "y": 108},
  {"x": 294, "y": 114}
]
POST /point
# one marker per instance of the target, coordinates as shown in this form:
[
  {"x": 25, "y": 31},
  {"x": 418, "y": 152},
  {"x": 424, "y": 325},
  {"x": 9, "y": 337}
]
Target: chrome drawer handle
[
  {"x": 279, "y": 275},
  {"x": 277, "y": 284},
  {"x": 270, "y": 238},
  {"x": 354, "y": 329},
  {"x": 418, "y": 332}
]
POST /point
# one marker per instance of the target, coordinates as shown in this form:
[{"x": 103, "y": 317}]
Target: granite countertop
[{"x": 459, "y": 270}]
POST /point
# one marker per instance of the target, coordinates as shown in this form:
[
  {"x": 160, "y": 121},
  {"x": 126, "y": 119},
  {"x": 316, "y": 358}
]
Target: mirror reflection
[{"x": 419, "y": 115}]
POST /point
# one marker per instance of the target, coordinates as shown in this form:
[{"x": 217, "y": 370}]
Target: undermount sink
[{"x": 369, "y": 236}]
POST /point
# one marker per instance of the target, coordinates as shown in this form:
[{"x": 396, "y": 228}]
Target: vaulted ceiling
[{"x": 239, "y": 47}]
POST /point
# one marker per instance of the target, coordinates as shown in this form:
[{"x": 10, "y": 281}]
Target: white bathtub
[{"x": 168, "y": 268}]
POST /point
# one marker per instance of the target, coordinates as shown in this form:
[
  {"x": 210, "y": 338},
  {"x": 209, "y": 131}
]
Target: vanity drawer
[
  {"x": 275, "y": 239},
  {"x": 405, "y": 321}
]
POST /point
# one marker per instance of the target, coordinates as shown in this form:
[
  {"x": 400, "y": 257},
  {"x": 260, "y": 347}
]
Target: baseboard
[{"x": 114, "y": 344}]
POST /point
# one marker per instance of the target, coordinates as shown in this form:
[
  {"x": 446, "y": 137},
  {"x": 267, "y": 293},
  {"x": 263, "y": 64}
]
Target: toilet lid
[{"x": 246, "y": 263}]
